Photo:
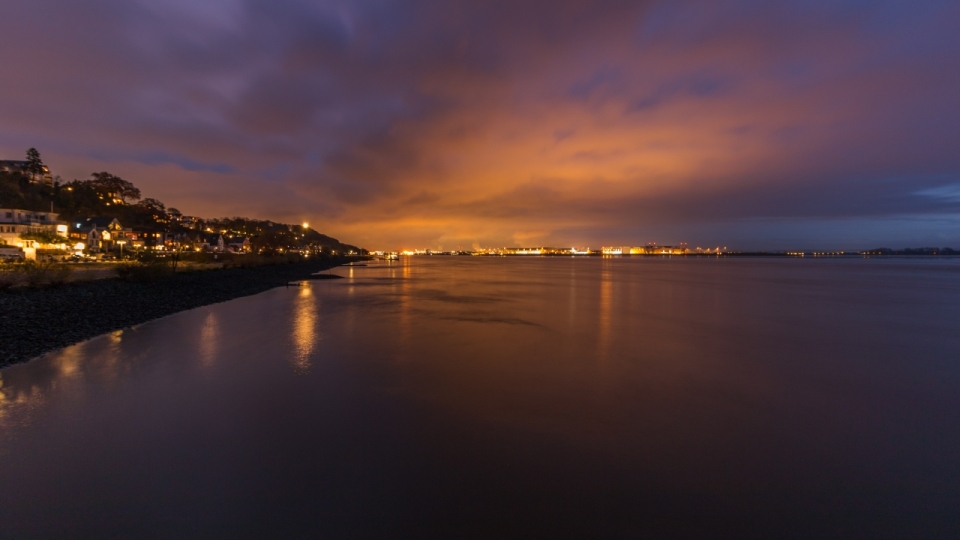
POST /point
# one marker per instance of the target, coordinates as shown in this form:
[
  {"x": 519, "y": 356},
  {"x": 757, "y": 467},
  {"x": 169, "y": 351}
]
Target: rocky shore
[{"x": 34, "y": 321}]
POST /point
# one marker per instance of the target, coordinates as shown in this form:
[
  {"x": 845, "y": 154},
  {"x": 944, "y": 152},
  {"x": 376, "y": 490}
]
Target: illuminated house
[
  {"x": 212, "y": 242},
  {"x": 239, "y": 244},
  {"x": 143, "y": 238},
  {"x": 187, "y": 222},
  {"x": 15, "y": 223},
  {"x": 96, "y": 234},
  {"x": 20, "y": 167}
]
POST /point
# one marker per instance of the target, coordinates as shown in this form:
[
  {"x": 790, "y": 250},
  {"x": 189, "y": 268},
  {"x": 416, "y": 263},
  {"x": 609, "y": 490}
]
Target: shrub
[
  {"x": 45, "y": 238},
  {"x": 248, "y": 261},
  {"x": 38, "y": 273},
  {"x": 11, "y": 275},
  {"x": 142, "y": 272},
  {"x": 58, "y": 274}
]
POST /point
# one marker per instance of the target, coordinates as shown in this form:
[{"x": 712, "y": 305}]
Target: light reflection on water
[
  {"x": 17, "y": 407},
  {"x": 304, "y": 329},
  {"x": 606, "y": 307},
  {"x": 550, "y": 397},
  {"x": 209, "y": 339},
  {"x": 405, "y": 301}
]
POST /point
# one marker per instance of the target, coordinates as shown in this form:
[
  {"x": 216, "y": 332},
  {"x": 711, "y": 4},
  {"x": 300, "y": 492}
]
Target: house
[
  {"x": 215, "y": 243},
  {"x": 239, "y": 244},
  {"x": 144, "y": 238},
  {"x": 211, "y": 242},
  {"x": 15, "y": 223},
  {"x": 20, "y": 167},
  {"x": 188, "y": 241},
  {"x": 187, "y": 222},
  {"x": 96, "y": 233},
  {"x": 183, "y": 241}
]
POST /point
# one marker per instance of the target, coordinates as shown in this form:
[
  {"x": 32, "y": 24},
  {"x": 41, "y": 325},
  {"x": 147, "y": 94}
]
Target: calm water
[{"x": 487, "y": 397}]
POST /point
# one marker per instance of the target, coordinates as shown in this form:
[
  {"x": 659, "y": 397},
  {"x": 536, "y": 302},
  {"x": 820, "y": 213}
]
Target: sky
[{"x": 450, "y": 123}]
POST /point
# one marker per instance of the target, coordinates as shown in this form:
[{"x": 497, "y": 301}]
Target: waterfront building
[
  {"x": 662, "y": 250},
  {"x": 532, "y": 251},
  {"x": 652, "y": 249},
  {"x": 17, "y": 223}
]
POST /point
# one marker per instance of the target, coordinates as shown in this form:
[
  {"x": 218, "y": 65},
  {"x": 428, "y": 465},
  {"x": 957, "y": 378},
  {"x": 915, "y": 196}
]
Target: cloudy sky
[{"x": 445, "y": 123}]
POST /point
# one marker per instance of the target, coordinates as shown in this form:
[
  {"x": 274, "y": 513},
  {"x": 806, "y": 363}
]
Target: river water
[{"x": 458, "y": 397}]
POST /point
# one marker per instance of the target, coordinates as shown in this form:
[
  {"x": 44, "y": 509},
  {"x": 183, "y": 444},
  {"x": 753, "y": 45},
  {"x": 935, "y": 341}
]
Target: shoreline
[{"x": 37, "y": 321}]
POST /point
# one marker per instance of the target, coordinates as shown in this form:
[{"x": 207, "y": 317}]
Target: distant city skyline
[{"x": 789, "y": 126}]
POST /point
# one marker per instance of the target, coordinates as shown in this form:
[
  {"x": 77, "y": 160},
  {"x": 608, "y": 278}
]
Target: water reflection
[
  {"x": 209, "y": 339},
  {"x": 572, "y": 290},
  {"x": 304, "y": 329},
  {"x": 606, "y": 307},
  {"x": 405, "y": 301},
  {"x": 500, "y": 413},
  {"x": 18, "y": 406},
  {"x": 110, "y": 360},
  {"x": 69, "y": 361},
  {"x": 24, "y": 388}
]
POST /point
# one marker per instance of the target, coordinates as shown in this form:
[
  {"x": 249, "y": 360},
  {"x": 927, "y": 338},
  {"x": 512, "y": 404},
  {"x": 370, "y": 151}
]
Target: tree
[
  {"x": 150, "y": 211},
  {"x": 115, "y": 187},
  {"x": 44, "y": 237},
  {"x": 34, "y": 166},
  {"x": 269, "y": 243},
  {"x": 152, "y": 205}
]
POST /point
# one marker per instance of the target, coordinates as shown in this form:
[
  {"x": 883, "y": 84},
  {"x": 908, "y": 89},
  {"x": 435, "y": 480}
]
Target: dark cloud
[{"x": 457, "y": 122}]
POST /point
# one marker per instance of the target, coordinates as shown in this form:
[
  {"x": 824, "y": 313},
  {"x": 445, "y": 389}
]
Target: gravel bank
[{"x": 34, "y": 321}]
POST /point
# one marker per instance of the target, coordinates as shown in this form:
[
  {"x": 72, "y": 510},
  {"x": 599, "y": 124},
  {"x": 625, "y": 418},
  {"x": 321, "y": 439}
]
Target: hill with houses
[{"x": 106, "y": 213}]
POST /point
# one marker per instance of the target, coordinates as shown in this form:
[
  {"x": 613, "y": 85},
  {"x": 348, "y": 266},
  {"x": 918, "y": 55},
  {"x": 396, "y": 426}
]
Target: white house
[
  {"x": 16, "y": 222},
  {"x": 95, "y": 233}
]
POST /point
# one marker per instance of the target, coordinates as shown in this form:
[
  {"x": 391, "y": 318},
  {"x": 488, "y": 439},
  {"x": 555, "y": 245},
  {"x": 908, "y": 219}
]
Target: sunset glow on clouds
[{"x": 445, "y": 123}]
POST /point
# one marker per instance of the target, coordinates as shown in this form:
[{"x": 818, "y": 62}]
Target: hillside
[{"x": 107, "y": 195}]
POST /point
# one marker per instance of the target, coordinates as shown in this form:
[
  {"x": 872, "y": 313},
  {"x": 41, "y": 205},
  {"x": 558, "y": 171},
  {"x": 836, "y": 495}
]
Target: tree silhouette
[
  {"x": 115, "y": 187},
  {"x": 34, "y": 164}
]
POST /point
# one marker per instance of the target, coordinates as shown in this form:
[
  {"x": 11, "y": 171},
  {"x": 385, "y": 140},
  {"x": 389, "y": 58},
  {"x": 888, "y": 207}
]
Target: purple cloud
[{"x": 458, "y": 122}]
